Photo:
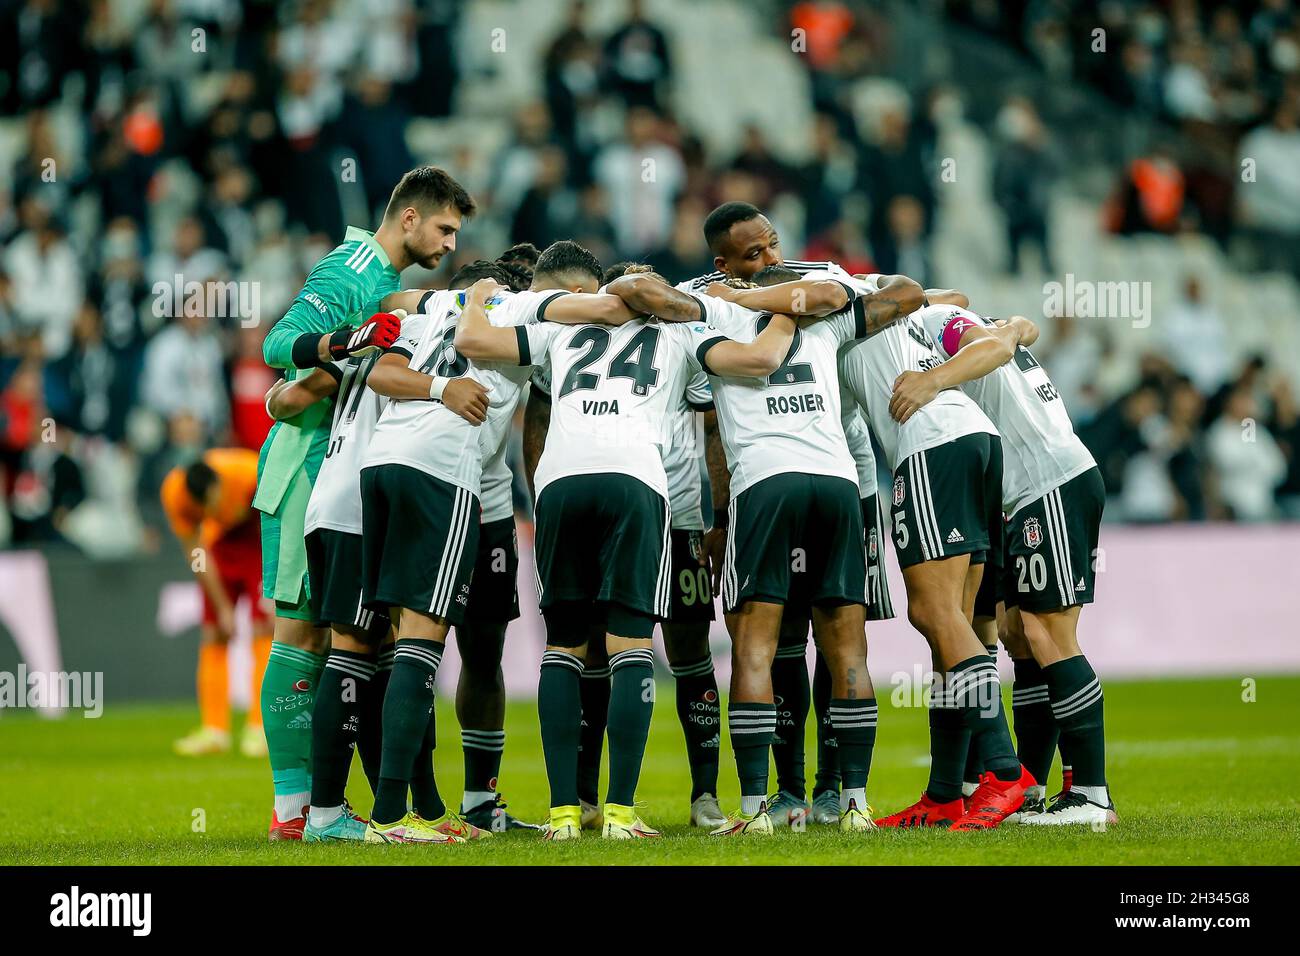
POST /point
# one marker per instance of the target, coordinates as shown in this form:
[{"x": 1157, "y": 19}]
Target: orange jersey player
[{"x": 209, "y": 505}]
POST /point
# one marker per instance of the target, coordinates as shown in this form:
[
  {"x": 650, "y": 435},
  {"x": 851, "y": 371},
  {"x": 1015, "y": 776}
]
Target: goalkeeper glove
[{"x": 375, "y": 334}]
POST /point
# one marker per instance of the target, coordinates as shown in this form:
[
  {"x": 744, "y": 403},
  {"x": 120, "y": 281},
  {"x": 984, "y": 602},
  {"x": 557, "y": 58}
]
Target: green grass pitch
[{"x": 1199, "y": 777}]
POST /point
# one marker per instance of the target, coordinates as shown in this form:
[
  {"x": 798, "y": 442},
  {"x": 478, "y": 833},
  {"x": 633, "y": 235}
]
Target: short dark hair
[
  {"x": 524, "y": 253},
  {"x": 616, "y": 271},
  {"x": 719, "y": 222},
  {"x": 776, "y": 274},
  {"x": 199, "y": 479},
  {"x": 566, "y": 258},
  {"x": 428, "y": 188},
  {"x": 471, "y": 272}
]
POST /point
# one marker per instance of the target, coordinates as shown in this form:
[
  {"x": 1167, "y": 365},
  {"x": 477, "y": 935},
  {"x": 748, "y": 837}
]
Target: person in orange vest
[{"x": 209, "y": 505}]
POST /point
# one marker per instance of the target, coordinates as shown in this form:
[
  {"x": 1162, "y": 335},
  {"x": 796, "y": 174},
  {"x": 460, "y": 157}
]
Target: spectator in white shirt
[{"x": 1247, "y": 461}]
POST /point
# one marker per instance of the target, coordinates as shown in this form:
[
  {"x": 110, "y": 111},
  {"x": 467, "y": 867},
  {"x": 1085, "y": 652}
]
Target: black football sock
[
  {"x": 594, "y": 688},
  {"x": 950, "y": 740},
  {"x": 425, "y": 799},
  {"x": 483, "y": 749},
  {"x": 700, "y": 714},
  {"x": 559, "y": 709},
  {"x": 974, "y": 765},
  {"x": 1077, "y": 705},
  {"x": 342, "y": 694},
  {"x": 631, "y": 705},
  {"x": 1032, "y": 720},
  {"x": 793, "y": 696},
  {"x": 977, "y": 692},
  {"x": 751, "y": 727},
  {"x": 370, "y": 735},
  {"x": 828, "y": 760},
  {"x": 855, "y": 731},
  {"x": 408, "y": 707}
]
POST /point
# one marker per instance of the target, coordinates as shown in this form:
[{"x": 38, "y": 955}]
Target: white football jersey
[
  {"x": 868, "y": 370},
  {"x": 1040, "y": 448},
  {"x": 613, "y": 390},
  {"x": 427, "y": 435},
  {"x": 789, "y": 421},
  {"x": 859, "y": 441},
  {"x": 335, "y": 501},
  {"x": 801, "y": 266}
]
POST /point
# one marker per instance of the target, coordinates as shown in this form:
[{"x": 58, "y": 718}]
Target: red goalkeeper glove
[{"x": 375, "y": 334}]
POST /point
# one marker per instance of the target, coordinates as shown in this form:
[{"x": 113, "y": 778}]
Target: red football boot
[
  {"x": 994, "y": 801},
  {"x": 924, "y": 813},
  {"x": 286, "y": 829}
]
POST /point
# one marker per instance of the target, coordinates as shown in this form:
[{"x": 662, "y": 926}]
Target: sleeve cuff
[
  {"x": 701, "y": 406},
  {"x": 424, "y": 299},
  {"x": 541, "y": 311},
  {"x": 521, "y": 337},
  {"x": 398, "y": 350},
  {"x": 335, "y": 372},
  {"x": 704, "y": 312},
  {"x": 304, "y": 352},
  {"x": 703, "y": 350},
  {"x": 859, "y": 319}
]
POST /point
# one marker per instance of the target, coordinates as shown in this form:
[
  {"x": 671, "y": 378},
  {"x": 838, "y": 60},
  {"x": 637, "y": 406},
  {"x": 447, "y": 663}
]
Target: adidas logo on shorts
[{"x": 955, "y": 536}]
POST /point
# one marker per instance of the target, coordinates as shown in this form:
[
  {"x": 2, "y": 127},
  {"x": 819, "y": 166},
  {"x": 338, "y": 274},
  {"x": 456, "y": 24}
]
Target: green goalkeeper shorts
[{"x": 284, "y": 553}]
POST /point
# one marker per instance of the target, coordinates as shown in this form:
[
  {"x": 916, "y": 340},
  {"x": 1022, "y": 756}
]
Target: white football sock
[
  {"x": 857, "y": 794},
  {"x": 474, "y": 798},
  {"x": 323, "y": 816},
  {"x": 289, "y": 806},
  {"x": 751, "y": 805},
  {"x": 1097, "y": 795}
]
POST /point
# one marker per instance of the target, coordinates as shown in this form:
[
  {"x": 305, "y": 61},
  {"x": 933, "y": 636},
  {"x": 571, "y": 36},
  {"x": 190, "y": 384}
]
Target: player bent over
[
  {"x": 209, "y": 507},
  {"x": 602, "y": 513},
  {"x": 1054, "y": 497}
]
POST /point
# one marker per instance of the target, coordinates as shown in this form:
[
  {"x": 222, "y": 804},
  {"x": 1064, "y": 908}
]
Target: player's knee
[{"x": 685, "y": 644}]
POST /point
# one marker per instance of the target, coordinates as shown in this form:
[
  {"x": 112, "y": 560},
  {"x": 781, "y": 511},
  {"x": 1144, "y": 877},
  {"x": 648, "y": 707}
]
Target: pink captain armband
[{"x": 950, "y": 337}]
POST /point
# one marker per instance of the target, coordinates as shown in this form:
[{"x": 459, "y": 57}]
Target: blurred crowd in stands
[{"x": 204, "y": 157}]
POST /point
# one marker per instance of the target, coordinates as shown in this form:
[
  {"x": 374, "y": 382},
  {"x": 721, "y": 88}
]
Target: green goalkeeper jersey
[{"x": 345, "y": 288}]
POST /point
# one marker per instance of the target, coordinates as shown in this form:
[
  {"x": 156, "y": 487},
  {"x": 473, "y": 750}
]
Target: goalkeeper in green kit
[{"x": 335, "y": 317}]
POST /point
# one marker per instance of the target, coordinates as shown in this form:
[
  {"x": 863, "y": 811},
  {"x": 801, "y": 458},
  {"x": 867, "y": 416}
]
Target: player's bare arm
[
  {"x": 585, "y": 308},
  {"x": 286, "y": 399},
  {"x": 394, "y": 378},
  {"x": 980, "y": 351},
  {"x": 479, "y": 340},
  {"x": 947, "y": 297},
  {"x": 208, "y": 575},
  {"x": 647, "y": 294},
  {"x": 715, "y": 460},
  {"x": 801, "y": 297},
  {"x": 408, "y": 300},
  {"x": 756, "y": 359},
  {"x": 537, "y": 421},
  {"x": 1026, "y": 331}
]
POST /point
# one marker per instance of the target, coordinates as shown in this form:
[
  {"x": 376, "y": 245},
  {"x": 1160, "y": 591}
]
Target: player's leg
[
  {"x": 1071, "y": 521},
  {"x": 751, "y": 710},
  {"x": 345, "y": 687},
  {"x": 594, "y": 688},
  {"x": 370, "y": 735},
  {"x": 253, "y": 741},
  {"x": 980, "y": 602},
  {"x": 826, "y": 784},
  {"x": 699, "y": 712},
  {"x": 792, "y": 694},
  {"x": 212, "y": 683},
  {"x": 767, "y": 520},
  {"x": 635, "y": 582},
  {"x": 966, "y": 702},
  {"x": 425, "y": 523},
  {"x": 837, "y": 563},
  {"x": 631, "y": 706},
  {"x": 686, "y": 644},
  {"x": 559, "y": 709},
  {"x": 294, "y": 663},
  {"x": 565, "y": 551},
  {"x": 480, "y": 690},
  {"x": 1031, "y": 713}
]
